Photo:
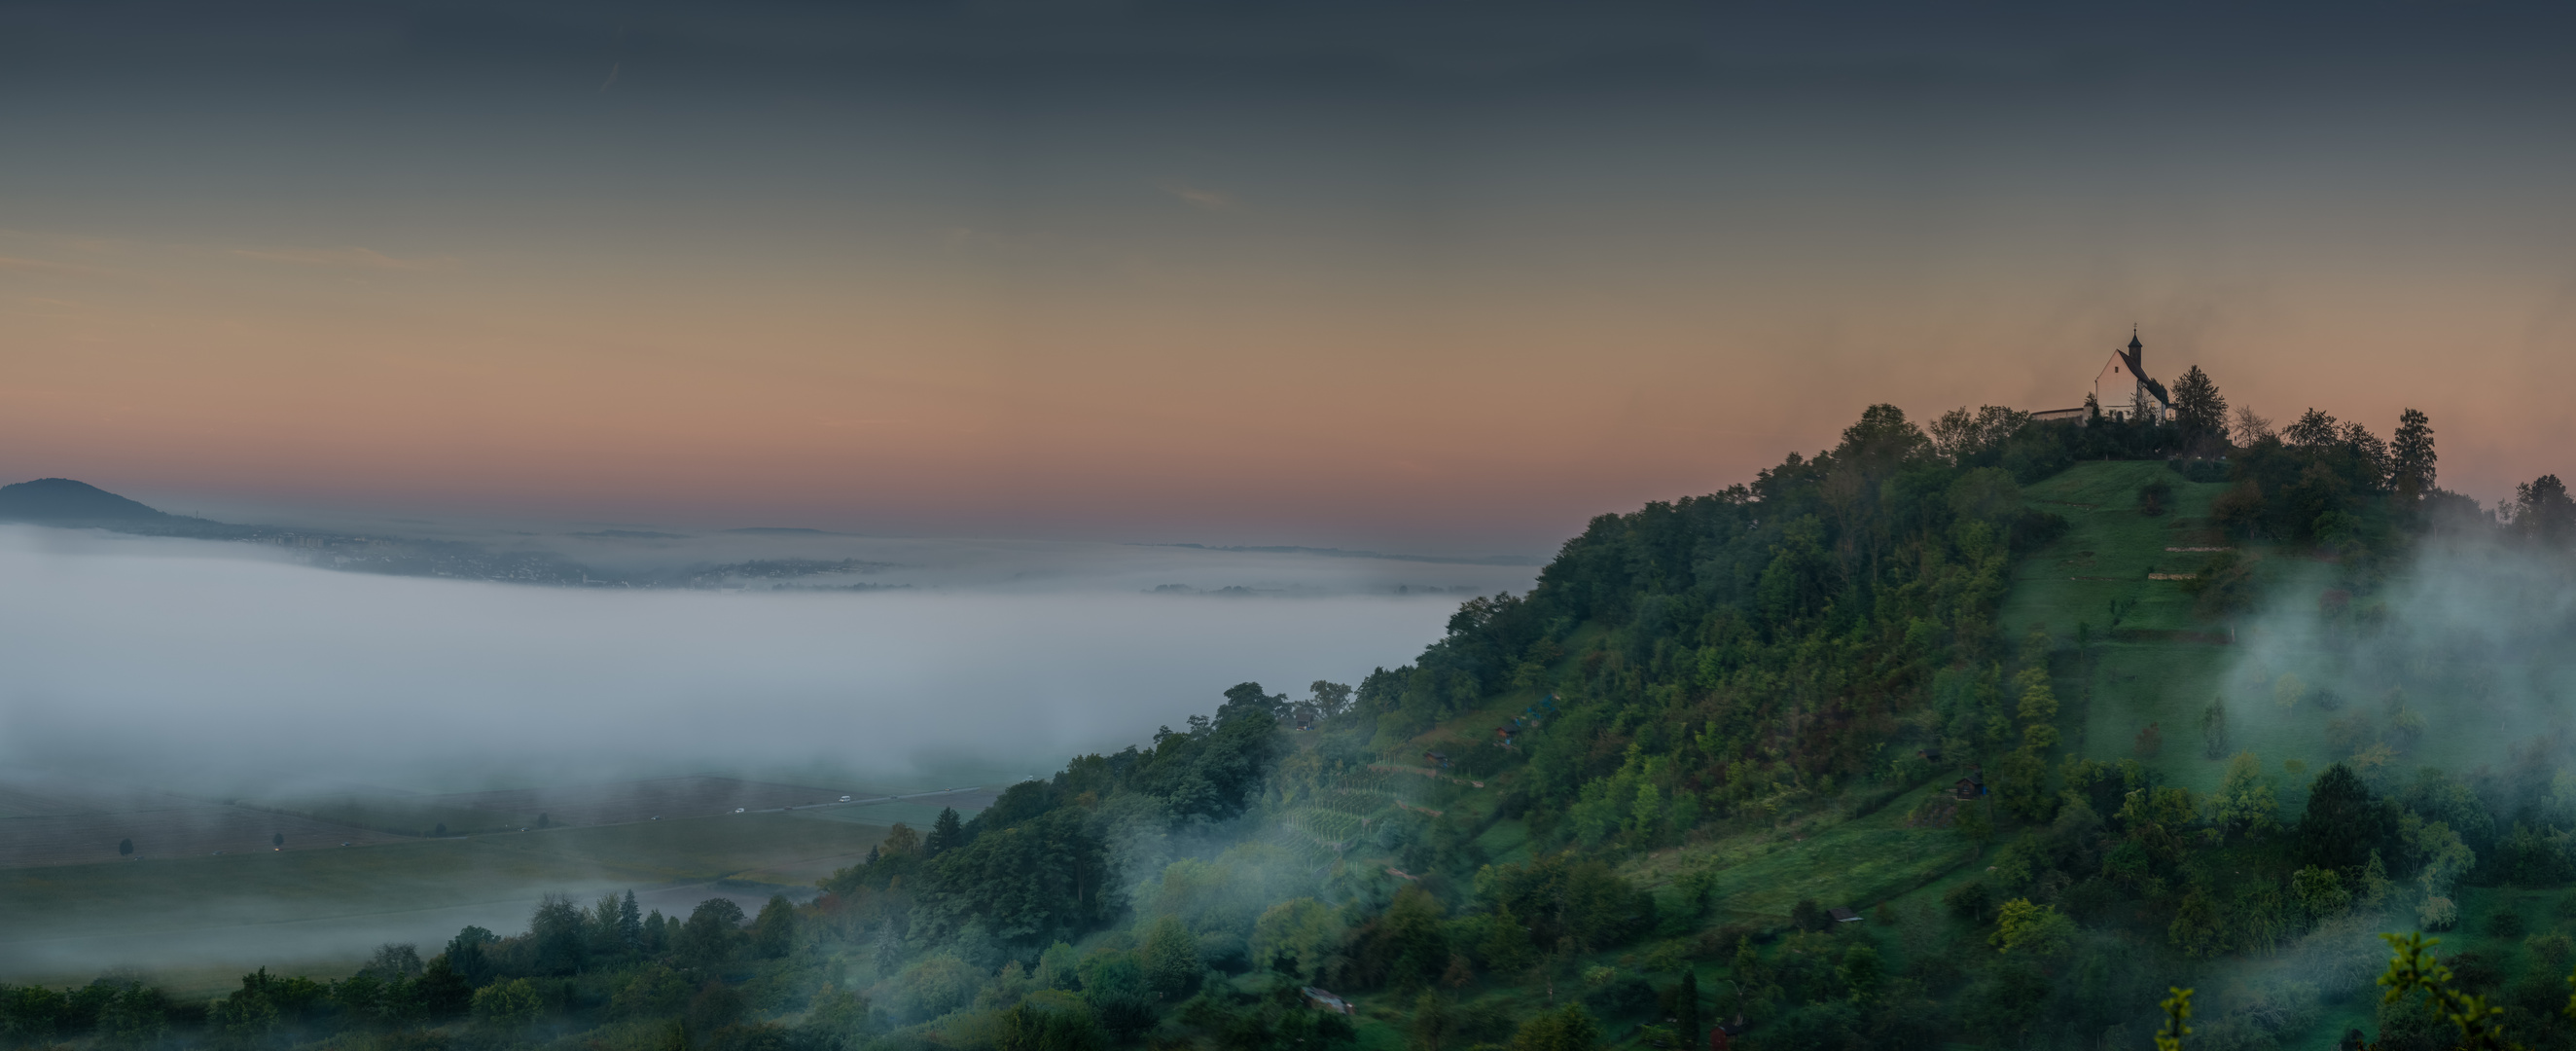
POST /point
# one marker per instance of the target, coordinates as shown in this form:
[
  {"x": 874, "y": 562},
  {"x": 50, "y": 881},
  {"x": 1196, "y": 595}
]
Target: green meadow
[{"x": 169, "y": 908}]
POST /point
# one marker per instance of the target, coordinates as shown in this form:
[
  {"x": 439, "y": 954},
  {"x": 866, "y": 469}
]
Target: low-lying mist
[
  {"x": 201, "y": 662},
  {"x": 2462, "y": 656},
  {"x": 244, "y": 677}
]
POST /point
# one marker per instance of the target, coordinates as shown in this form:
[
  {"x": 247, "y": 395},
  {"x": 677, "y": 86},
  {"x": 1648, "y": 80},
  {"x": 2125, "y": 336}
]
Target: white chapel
[{"x": 2123, "y": 390}]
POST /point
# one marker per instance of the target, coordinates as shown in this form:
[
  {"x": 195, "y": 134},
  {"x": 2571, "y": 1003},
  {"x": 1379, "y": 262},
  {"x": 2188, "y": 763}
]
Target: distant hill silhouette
[{"x": 62, "y": 500}]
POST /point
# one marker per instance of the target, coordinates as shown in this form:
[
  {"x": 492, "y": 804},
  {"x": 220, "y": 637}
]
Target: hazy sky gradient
[{"x": 1453, "y": 275}]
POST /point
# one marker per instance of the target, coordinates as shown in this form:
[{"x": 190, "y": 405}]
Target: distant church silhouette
[{"x": 2121, "y": 391}]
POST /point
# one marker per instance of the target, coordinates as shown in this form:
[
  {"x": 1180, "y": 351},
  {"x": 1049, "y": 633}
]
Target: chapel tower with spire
[{"x": 2124, "y": 390}]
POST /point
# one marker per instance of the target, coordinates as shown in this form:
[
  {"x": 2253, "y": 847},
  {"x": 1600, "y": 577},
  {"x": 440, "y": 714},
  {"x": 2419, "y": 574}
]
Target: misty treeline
[{"x": 1745, "y": 667}]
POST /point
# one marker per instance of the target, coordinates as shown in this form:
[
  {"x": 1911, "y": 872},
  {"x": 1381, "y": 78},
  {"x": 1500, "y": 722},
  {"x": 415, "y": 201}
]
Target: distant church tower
[{"x": 2123, "y": 389}]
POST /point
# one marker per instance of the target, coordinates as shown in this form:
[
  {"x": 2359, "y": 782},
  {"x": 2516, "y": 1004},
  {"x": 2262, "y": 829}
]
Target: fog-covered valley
[
  {"x": 201, "y": 661},
  {"x": 193, "y": 697}
]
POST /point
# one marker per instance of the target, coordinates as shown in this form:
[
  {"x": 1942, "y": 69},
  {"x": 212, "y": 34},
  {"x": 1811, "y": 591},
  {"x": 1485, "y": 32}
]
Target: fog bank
[{"x": 194, "y": 660}]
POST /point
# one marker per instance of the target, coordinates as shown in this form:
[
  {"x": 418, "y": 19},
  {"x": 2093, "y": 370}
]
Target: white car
[
  {"x": 737, "y": 810},
  {"x": 845, "y": 799}
]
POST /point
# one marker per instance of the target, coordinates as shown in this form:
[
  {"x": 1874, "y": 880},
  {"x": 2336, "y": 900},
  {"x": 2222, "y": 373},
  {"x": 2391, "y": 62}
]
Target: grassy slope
[
  {"x": 2161, "y": 664},
  {"x": 2147, "y": 667},
  {"x": 1855, "y": 863}
]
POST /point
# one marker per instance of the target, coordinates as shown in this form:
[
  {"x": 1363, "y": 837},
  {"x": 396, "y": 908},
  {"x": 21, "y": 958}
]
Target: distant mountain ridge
[
  {"x": 1335, "y": 552},
  {"x": 61, "y": 500}
]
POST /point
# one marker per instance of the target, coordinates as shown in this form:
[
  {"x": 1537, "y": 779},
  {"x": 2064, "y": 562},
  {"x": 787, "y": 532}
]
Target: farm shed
[{"x": 1321, "y": 1000}]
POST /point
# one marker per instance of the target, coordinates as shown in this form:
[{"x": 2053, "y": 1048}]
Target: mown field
[
  {"x": 2150, "y": 660},
  {"x": 460, "y": 813},
  {"x": 1856, "y": 863},
  {"x": 53, "y": 822},
  {"x": 59, "y": 821},
  {"x": 2154, "y": 661},
  {"x": 324, "y": 908}
]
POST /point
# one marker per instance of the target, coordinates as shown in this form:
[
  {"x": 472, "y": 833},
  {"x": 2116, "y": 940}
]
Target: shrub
[
  {"x": 507, "y": 1005},
  {"x": 2474, "y": 972},
  {"x": 1665, "y": 956},
  {"x": 1621, "y": 997},
  {"x": 2153, "y": 496},
  {"x": 716, "y": 1006},
  {"x": 1029, "y": 1028},
  {"x": 2025, "y": 929},
  {"x": 2150, "y": 742},
  {"x": 937, "y": 985},
  {"x": 2437, "y": 914},
  {"x": 1568, "y": 1029},
  {"x": 653, "y": 992},
  {"x": 1968, "y": 901}
]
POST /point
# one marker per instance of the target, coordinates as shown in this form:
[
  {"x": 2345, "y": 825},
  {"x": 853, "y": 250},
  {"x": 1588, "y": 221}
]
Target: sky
[{"x": 1440, "y": 277}]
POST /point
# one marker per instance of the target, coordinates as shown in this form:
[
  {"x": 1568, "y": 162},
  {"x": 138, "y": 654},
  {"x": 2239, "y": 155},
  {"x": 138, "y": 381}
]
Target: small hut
[
  {"x": 1324, "y": 1001},
  {"x": 1843, "y": 915},
  {"x": 1503, "y": 735},
  {"x": 1436, "y": 759}
]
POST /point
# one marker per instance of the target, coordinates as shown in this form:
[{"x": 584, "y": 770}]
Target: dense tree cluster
[{"x": 1740, "y": 651}]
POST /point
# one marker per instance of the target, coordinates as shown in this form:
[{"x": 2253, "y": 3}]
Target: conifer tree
[
  {"x": 945, "y": 834},
  {"x": 2199, "y": 410},
  {"x": 2411, "y": 456},
  {"x": 1686, "y": 1008},
  {"x": 630, "y": 922}
]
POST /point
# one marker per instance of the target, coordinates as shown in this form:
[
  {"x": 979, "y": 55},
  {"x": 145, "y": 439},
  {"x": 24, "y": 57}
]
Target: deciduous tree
[
  {"x": 710, "y": 933},
  {"x": 1171, "y": 960},
  {"x": 774, "y": 933},
  {"x": 2542, "y": 510}
]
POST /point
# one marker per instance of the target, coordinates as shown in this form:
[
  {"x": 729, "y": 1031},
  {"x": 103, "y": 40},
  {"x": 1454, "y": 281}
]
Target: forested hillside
[{"x": 1784, "y": 766}]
